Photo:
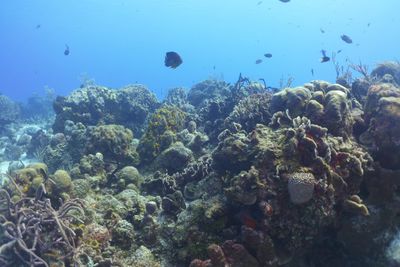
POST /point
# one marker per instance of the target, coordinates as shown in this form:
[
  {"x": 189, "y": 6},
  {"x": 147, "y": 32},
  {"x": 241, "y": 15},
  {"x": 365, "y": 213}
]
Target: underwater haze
[
  {"x": 123, "y": 42},
  {"x": 181, "y": 133}
]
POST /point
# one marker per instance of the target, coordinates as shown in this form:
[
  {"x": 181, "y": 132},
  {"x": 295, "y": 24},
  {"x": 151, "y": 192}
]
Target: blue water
[{"x": 121, "y": 42}]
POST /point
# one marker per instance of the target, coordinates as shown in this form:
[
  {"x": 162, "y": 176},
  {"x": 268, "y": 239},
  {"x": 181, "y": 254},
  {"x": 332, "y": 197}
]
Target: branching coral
[{"x": 35, "y": 232}]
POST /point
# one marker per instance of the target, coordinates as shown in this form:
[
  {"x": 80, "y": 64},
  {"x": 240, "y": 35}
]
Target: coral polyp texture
[
  {"x": 218, "y": 175},
  {"x": 301, "y": 187}
]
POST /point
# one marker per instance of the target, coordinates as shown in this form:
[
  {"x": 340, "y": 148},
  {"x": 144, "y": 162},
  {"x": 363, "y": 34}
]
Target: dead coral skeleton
[{"x": 32, "y": 228}]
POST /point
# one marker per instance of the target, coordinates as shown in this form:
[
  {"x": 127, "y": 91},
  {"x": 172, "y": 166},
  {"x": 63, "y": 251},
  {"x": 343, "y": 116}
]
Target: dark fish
[
  {"x": 259, "y": 3},
  {"x": 172, "y": 60},
  {"x": 66, "y": 51},
  {"x": 324, "y": 58},
  {"x": 339, "y": 51},
  {"x": 369, "y": 24},
  {"x": 312, "y": 72},
  {"x": 38, "y": 26},
  {"x": 322, "y": 30},
  {"x": 284, "y": 1},
  {"x": 258, "y": 61},
  {"x": 268, "y": 55},
  {"x": 346, "y": 39}
]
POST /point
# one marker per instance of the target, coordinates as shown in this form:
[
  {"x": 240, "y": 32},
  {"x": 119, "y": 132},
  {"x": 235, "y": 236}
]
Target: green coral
[
  {"x": 293, "y": 99},
  {"x": 130, "y": 175},
  {"x": 143, "y": 257},
  {"x": 114, "y": 142},
  {"x": 61, "y": 183},
  {"x": 80, "y": 188},
  {"x": 243, "y": 188},
  {"x": 166, "y": 119},
  {"x": 325, "y": 104},
  {"x": 175, "y": 158},
  {"x": 29, "y": 179},
  {"x": 123, "y": 234}
]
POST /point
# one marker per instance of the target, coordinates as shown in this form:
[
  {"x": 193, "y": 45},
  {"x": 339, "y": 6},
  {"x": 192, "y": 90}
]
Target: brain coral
[{"x": 301, "y": 187}]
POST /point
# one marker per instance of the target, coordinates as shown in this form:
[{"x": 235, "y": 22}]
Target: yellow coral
[
  {"x": 167, "y": 118},
  {"x": 354, "y": 204}
]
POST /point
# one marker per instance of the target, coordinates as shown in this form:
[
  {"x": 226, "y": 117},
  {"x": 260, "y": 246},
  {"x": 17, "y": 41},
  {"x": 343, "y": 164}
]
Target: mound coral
[
  {"x": 327, "y": 105},
  {"x": 175, "y": 158},
  {"x": 382, "y": 113},
  {"x": 9, "y": 111},
  {"x": 114, "y": 142},
  {"x": 203, "y": 92},
  {"x": 387, "y": 68},
  {"x": 167, "y": 119},
  {"x": 94, "y": 105},
  {"x": 61, "y": 184}
]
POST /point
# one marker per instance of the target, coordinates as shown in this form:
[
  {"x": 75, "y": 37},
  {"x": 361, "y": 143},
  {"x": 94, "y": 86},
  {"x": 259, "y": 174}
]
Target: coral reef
[
  {"x": 301, "y": 187},
  {"x": 219, "y": 175},
  {"x": 34, "y": 233},
  {"x": 94, "y": 105},
  {"x": 251, "y": 110},
  {"x": 160, "y": 132},
  {"x": 328, "y": 105},
  {"x": 175, "y": 158},
  {"x": 387, "y": 68},
  {"x": 382, "y": 114}
]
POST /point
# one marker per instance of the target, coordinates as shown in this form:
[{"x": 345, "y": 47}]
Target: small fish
[
  {"x": 66, "y": 51},
  {"x": 346, "y": 39},
  {"x": 38, "y": 26},
  {"x": 172, "y": 60},
  {"x": 369, "y": 24},
  {"x": 284, "y": 1},
  {"x": 268, "y": 55},
  {"x": 322, "y": 30},
  {"x": 259, "y": 3},
  {"x": 339, "y": 51},
  {"x": 324, "y": 58},
  {"x": 258, "y": 61},
  {"x": 312, "y": 72}
]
